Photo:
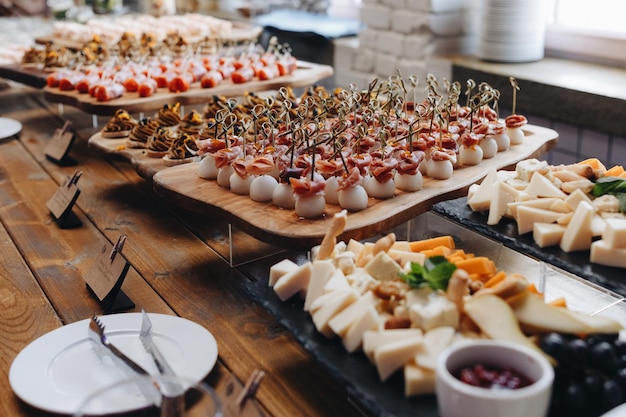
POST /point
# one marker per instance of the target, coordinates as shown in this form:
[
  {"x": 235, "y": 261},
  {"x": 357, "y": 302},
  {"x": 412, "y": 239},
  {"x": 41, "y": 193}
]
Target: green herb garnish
[
  {"x": 435, "y": 273},
  {"x": 611, "y": 185}
]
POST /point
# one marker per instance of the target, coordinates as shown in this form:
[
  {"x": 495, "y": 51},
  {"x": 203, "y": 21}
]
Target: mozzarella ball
[
  {"x": 262, "y": 188},
  {"x": 489, "y": 146},
  {"x": 408, "y": 182},
  {"x": 380, "y": 190},
  {"x": 353, "y": 198},
  {"x": 283, "y": 196},
  {"x": 440, "y": 170},
  {"x": 207, "y": 168},
  {"x": 310, "y": 207},
  {"x": 516, "y": 134},
  {"x": 503, "y": 141},
  {"x": 240, "y": 185},
  {"x": 330, "y": 191},
  {"x": 470, "y": 155},
  {"x": 223, "y": 176}
]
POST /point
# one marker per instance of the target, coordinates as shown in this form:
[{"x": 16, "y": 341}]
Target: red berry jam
[{"x": 485, "y": 376}]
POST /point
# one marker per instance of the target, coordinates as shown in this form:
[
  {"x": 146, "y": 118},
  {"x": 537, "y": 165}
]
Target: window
[{"x": 588, "y": 30}]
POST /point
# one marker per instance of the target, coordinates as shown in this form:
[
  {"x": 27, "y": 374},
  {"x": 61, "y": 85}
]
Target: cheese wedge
[
  {"x": 392, "y": 356},
  {"x": 373, "y": 339},
  {"x": 437, "y": 311},
  {"x": 401, "y": 245},
  {"x": 481, "y": 199},
  {"x": 434, "y": 342},
  {"x": 360, "y": 280},
  {"x": 354, "y": 246},
  {"x": 293, "y": 282},
  {"x": 337, "y": 281},
  {"x": 560, "y": 206},
  {"x": 542, "y": 203},
  {"x": 578, "y": 233},
  {"x": 321, "y": 271},
  {"x": 528, "y": 216},
  {"x": 418, "y": 380},
  {"x": 576, "y": 197},
  {"x": 503, "y": 194},
  {"x": 614, "y": 233},
  {"x": 547, "y": 234},
  {"x": 407, "y": 256},
  {"x": 598, "y": 225},
  {"x": 602, "y": 253},
  {"x": 383, "y": 267},
  {"x": 541, "y": 186},
  {"x": 324, "y": 313},
  {"x": 341, "y": 322},
  {"x": 353, "y": 339},
  {"x": 280, "y": 269}
]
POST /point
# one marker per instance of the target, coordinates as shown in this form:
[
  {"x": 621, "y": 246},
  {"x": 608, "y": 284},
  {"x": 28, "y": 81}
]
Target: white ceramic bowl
[{"x": 459, "y": 399}]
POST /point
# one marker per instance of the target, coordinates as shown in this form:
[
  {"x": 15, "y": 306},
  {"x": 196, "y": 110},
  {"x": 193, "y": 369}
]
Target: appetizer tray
[
  {"x": 306, "y": 73},
  {"x": 355, "y": 372},
  {"x": 506, "y": 232},
  {"x": 145, "y": 165},
  {"x": 268, "y": 223},
  {"x": 240, "y": 32}
]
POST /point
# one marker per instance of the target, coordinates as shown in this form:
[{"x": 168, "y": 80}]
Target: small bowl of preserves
[{"x": 493, "y": 378}]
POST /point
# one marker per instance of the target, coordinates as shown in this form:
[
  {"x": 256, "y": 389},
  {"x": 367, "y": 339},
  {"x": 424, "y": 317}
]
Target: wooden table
[{"x": 179, "y": 265}]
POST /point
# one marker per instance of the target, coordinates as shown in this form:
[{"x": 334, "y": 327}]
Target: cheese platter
[
  {"x": 356, "y": 372},
  {"x": 267, "y": 222}
]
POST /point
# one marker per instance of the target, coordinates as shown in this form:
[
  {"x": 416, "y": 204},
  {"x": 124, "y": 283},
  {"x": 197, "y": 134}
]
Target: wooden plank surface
[
  {"x": 272, "y": 224},
  {"x": 172, "y": 262}
]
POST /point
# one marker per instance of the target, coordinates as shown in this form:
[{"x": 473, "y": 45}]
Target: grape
[
  {"x": 577, "y": 353},
  {"x": 554, "y": 345},
  {"x": 603, "y": 357},
  {"x": 575, "y": 397},
  {"x": 620, "y": 377},
  {"x": 620, "y": 346},
  {"x": 593, "y": 385},
  {"x": 612, "y": 395}
]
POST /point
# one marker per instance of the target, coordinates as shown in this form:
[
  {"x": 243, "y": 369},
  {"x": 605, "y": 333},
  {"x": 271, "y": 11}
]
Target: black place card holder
[
  {"x": 106, "y": 277},
  {"x": 62, "y": 202},
  {"x": 59, "y": 146}
]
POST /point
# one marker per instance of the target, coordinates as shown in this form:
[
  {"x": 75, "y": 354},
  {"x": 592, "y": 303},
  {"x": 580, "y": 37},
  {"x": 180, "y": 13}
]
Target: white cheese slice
[
  {"x": 542, "y": 203},
  {"x": 471, "y": 190},
  {"x": 547, "y": 234},
  {"x": 365, "y": 254},
  {"x": 576, "y": 197},
  {"x": 541, "y": 186},
  {"x": 565, "y": 219},
  {"x": 355, "y": 246},
  {"x": 481, "y": 198},
  {"x": 577, "y": 235},
  {"x": 279, "y": 269},
  {"x": 383, "y": 267},
  {"x": 370, "y": 320},
  {"x": 614, "y": 233},
  {"x": 324, "y": 313},
  {"x": 321, "y": 271},
  {"x": 560, "y": 206},
  {"x": 392, "y": 356},
  {"x": 342, "y": 321},
  {"x": 434, "y": 342},
  {"x": 528, "y": 216},
  {"x": 526, "y": 168},
  {"x": 293, "y": 282},
  {"x": 405, "y": 257},
  {"x": 437, "y": 311},
  {"x": 418, "y": 380},
  {"x": 401, "y": 245},
  {"x": 524, "y": 196},
  {"x": 336, "y": 282},
  {"x": 598, "y": 225},
  {"x": 503, "y": 194},
  {"x": 602, "y": 253},
  {"x": 360, "y": 280},
  {"x": 372, "y": 339}
]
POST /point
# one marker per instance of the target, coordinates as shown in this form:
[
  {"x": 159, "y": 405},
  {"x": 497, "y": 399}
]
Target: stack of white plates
[{"x": 512, "y": 30}]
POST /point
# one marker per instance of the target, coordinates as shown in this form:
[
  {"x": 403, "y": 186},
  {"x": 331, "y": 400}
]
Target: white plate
[
  {"x": 619, "y": 411},
  {"x": 9, "y": 127},
  {"x": 57, "y": 371}
]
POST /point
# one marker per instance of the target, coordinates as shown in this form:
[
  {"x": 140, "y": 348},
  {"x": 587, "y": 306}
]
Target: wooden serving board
[
  {"x": 271, "y": 224},
  {"x": 145, "y": 165},
  {"x": 307, "y": 73}
]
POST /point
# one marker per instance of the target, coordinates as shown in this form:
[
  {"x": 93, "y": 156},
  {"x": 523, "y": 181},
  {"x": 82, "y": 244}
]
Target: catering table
[
  {"x": 182, "y": 263},
  {"x": 179, "y": 266}
]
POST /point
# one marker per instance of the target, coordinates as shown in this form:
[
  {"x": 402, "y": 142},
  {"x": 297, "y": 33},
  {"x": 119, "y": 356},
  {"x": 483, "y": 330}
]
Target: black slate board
[
  {"x": 576, "y": 263},
  {"x": 354, "y": 371}
]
